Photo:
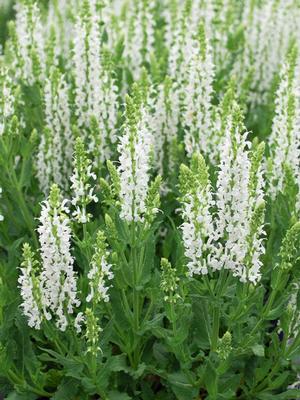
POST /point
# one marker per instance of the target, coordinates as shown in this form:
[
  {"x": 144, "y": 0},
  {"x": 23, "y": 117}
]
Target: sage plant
[{"x": 149, "y": 208}]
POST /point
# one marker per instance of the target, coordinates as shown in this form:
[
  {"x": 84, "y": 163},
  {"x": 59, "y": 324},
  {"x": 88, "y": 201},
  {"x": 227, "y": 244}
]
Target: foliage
[{"x": 149, "y": 209}]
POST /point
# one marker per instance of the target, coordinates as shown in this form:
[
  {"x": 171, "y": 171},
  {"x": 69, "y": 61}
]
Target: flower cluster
[
  {"x": 197, "y": 229},
  {"x": 169, "y": 282},
  {"x": 139, "y": 28},
  {"x": 83, "y": 191},
  {"x": 284, "y": 139},
  {"x": 54, "y": 157},
  {"x": 198, "y": 89},
  {"x": 95, "y": 89},
  {"x": 100, "y": 272},
  {"x": 238, "y": 199},
  {"x": 30, "y": 288},
  {"x": 57, "y": 277},
  {"x": 98, "y": 275},
  {"x": 269, "y": 27},
  {"x": 7, "y": 99},
  {"x": 232, "y": 237},
  {"x": 164, "y": 126},
  {"x": 27, "y": 43},
  {"x": 134, "y": 149},
  {"x": 150, "y": 155}
]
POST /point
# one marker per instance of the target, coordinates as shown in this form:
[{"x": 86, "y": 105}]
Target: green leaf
[
  {"x": 117, "y": 363},
  {"x": 73, "y": 366},
  {"x": 115, "y": 395},
  {"x": 292, "y": 394},
  {"x": 66, "y": 390},
  {"x": 181, "y": 386},
  {"x": 210, "y": 379},
  {"x": 16, "y": 396},
  {"x": 279, "y": 381},
  {"x": 258, "y": 350}
]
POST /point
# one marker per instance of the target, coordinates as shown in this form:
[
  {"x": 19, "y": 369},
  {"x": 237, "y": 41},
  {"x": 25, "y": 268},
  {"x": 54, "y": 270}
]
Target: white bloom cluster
[
  {"x": 139, "y": 27},
  {"x": 269, "y": 27},
  {"x": 221, "y": 25},
  {"x": 183, "y": 19},
  {"x": 29, "y": 46},
  {"x": 83, "y": 191},
  {"x": 134, "y": 149},
  {"x": 92, "y": 332},
  {"x": 180, "y": 45},
  {"x": 29, "y": 286},
  {"x": 236, "y": 206},
  {"x": 57, "y": 279},
  {"x": 98, "y": 275},
  {"x": 95, "y": 88},
  {"x": 197, "y": 101},
  {"x": 60, "y": 20},
  {"x": 100, "y": 272},
  {"x": 7, "y": 99},
  {"x": 284, "y": 141},
  {"x": 164, "y": 125},
  {"x": 232, "y": 191},
  {"x": 169, "y": 282},
  {"x": 54, "y": 160},
  {"x": 232, "y": 237},
  {"x": 198, "y": 228},
  {"x": 79, "y": 321}
]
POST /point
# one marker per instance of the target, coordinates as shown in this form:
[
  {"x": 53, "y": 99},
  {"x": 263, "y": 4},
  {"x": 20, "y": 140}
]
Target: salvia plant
[{"x": 149, "y": 199}]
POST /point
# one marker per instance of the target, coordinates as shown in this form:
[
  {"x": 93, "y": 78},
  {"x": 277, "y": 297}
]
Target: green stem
[
  {"x": 219, "y": 291},
  {"x": 294, "y": 345},
  {"x": 23, "y": 206},
  {"x": 15, "y": 379},
  {"x": 215, "y": 327},
  {"x": 135, "y": 293},
  {"x": 126, "y": 304},
  {"x": 269, "y": 377},
  {"x": 265, "y": 312},
  {"x": 136, "y": 300}
]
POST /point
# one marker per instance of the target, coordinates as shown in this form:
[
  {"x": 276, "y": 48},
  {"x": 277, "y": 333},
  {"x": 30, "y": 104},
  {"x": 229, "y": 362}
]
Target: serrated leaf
[
  {"x": 66, "y": 390},
  {"x": 210, "y": 379},
  {"x": 181, "y": 386}
]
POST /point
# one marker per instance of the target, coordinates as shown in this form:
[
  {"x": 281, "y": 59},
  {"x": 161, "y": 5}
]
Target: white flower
[
  {"x": 134, "y": 149},
  {"x": 284, "y": 140},
  {"x": 237, "y": 200},
  {"x": 232, "y": 238},
  {"x": 54, "y": 158},
  {"x": 30, "y": 289},
  {"x": 79, "y": 320},
  {"x": 7, "y": 99},
  {"x": 198, "y": 228},
  {"x": 30, "y": 40},
  {"x": 197, "y": 98},
  {"x": 58, "y": 279},
  {"x": 96, "y": 97},
  {"x": 163, "y": 123},
  {"x": 83, "y": 191},
  {"x": 139, "y": 31},
  {"x": 100, "y": 272},
  {"x": 268, "y": 29}
]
